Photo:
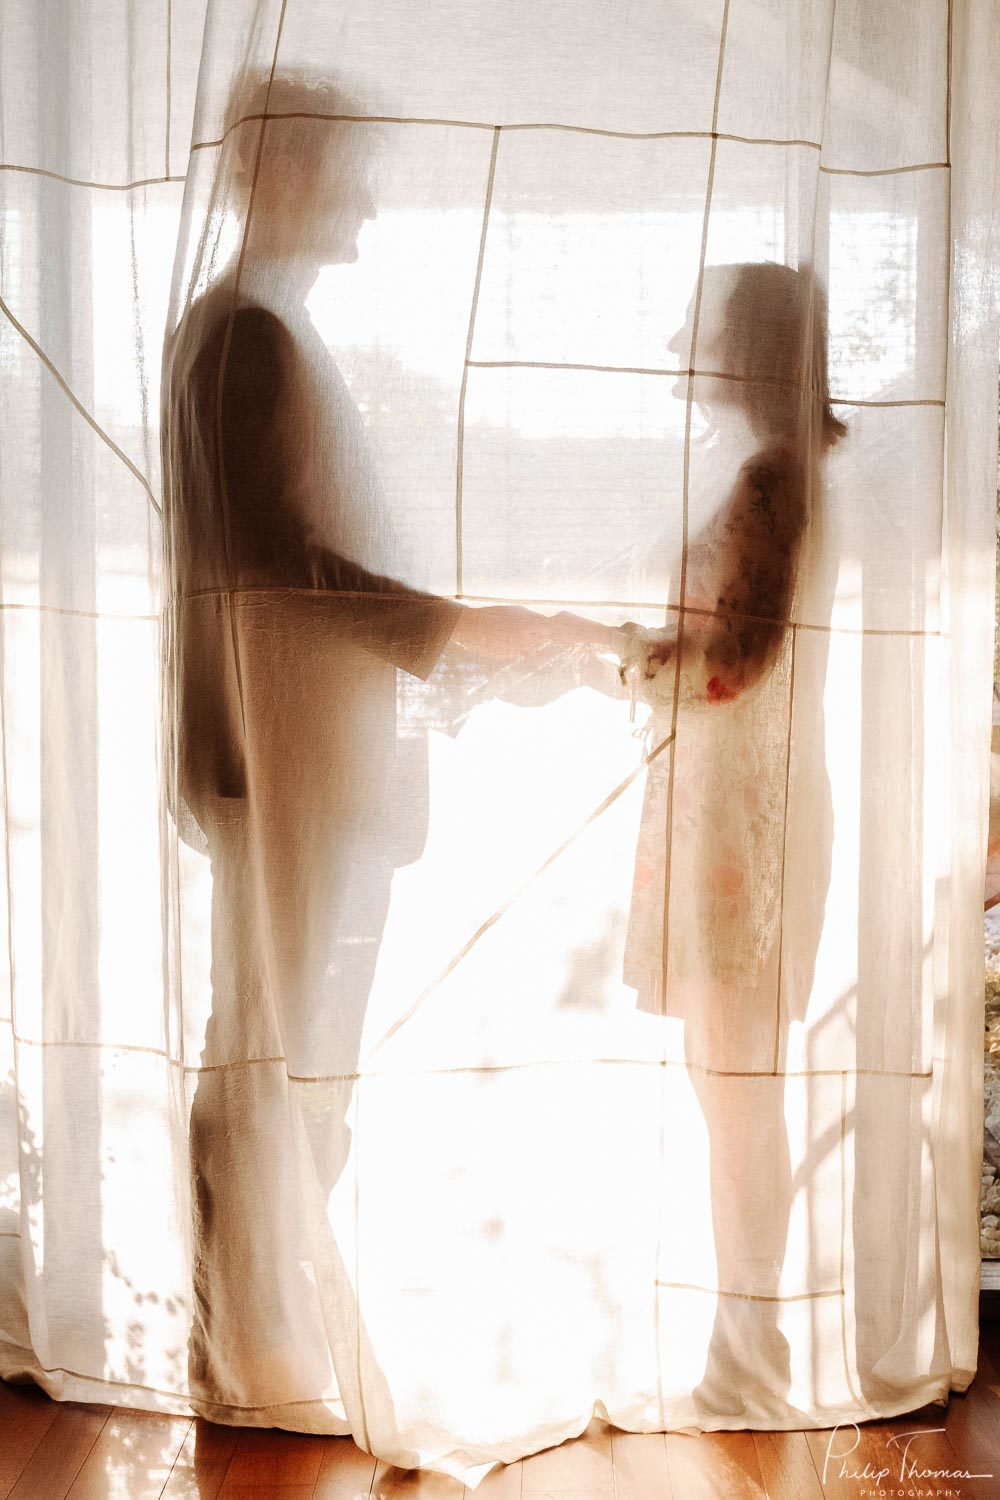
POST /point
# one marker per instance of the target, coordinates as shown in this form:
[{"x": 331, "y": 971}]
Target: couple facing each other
[
  {"x": 288, "y": 628},
  {"x": 271, "y": 489}
]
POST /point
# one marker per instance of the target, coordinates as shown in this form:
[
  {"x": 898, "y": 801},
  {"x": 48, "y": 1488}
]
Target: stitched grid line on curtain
[{"x": 495, "y": 732}]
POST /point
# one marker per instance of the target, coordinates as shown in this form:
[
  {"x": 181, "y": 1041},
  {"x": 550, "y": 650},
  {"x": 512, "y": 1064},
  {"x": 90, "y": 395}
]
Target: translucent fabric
[{"x": 496, "y": 734}]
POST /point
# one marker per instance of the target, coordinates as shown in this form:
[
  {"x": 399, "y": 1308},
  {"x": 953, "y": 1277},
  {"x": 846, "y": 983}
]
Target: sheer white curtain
[{"x": 409, "y": 1034}]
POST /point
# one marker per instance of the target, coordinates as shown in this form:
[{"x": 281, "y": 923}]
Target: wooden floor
[{"x": 50, "y": 1450}]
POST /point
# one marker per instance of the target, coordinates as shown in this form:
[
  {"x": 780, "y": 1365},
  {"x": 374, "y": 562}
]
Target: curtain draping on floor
[{"x": 413, "y": 1030}]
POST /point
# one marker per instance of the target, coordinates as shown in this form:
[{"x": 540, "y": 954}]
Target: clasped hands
[{"x": 506, "y": 632}]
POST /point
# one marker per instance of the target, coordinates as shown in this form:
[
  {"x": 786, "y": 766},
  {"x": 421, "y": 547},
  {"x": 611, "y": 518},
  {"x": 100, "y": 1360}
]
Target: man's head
[{"x": 306, "y": 186}]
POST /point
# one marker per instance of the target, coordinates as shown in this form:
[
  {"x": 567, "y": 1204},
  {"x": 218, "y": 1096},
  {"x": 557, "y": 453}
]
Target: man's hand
[{"x": 503, "y": 632}]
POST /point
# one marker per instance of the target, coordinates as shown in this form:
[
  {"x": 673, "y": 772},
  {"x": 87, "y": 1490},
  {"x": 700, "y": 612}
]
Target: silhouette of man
[{"x": 286, "y": 634}]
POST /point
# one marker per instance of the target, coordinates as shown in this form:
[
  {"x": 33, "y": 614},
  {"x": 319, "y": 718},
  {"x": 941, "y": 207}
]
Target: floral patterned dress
[{"x": 708, "y": 867}]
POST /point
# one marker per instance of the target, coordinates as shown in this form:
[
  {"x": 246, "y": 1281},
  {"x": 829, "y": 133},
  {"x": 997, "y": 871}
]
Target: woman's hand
[
  {"x": 660, "y": 647},
  {"x": 643, "y": 652}
]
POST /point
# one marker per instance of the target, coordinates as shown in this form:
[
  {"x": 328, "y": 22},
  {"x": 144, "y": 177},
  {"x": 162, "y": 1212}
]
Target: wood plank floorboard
[
  {"x": 581, "y": 1466},
  {"x": 26, "y": 1414},
  {"x": 76, "y": 1451},
  {"x": 268, "y": 1456},
  {"x": 500, "y": 1484},
  {"x": 408, "y": 1484},
  {"x": 200, "y": 1467},
  {"x": 710, "y": 1465},
  {"x": 786, "y": 1466},
  {"x": 53, "y": 1467},
  {"x": 346, "y": 1473},
  {"x": 972, "y": 1421},
  {"x": 133, "y": 1456},
  {"x": 640, "y": 1466}
]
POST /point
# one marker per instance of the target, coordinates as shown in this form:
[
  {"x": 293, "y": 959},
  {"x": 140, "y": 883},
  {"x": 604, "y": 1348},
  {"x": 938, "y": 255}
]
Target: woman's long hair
[{"x": 775, "y": 332}]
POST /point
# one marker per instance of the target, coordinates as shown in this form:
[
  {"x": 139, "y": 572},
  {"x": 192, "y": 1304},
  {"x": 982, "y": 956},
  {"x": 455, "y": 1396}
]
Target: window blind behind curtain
[{"x": 413, "y": 1030}]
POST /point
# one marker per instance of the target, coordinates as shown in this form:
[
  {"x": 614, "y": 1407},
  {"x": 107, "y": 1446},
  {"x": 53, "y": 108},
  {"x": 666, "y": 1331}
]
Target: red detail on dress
[{"x": 718, "y": 691}]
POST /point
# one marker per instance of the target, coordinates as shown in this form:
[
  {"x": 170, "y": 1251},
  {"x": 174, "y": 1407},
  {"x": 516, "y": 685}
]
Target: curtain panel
[{"x": 497, "y": 570}]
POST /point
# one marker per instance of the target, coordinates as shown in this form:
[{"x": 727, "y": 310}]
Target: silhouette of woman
[{"x": 703, "y": 939}]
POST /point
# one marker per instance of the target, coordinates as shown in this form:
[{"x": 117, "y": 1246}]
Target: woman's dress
[{"x": 707, "y": 884}]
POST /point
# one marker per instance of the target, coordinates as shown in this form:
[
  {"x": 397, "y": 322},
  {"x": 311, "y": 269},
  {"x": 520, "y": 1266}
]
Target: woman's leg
[{"x": 751, "y": 1188}]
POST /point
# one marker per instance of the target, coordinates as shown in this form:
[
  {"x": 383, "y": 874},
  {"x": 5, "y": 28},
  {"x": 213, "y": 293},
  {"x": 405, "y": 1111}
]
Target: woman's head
[{"x": 762, "y": 329}]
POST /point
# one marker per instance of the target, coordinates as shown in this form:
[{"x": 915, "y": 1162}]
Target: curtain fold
[{"x": 419, "y": 1027}]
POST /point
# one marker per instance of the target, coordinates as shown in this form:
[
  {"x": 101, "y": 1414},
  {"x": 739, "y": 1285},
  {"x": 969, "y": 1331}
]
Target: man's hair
[
  {"x": 290, "y": 91},
  {"x": 301, "y": 108}
]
